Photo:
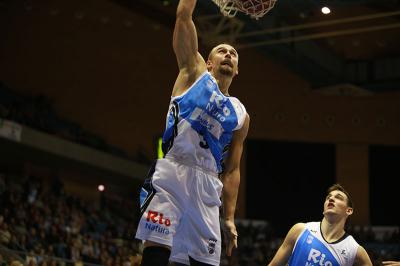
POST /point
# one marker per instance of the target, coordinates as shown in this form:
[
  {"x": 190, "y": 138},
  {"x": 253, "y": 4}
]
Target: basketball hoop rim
[{"x": 254, "y": 8}]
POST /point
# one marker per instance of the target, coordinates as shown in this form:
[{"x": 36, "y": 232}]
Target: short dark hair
[
  {"x": 212, "y": 50},
  {"x": 341, "y": 188}
]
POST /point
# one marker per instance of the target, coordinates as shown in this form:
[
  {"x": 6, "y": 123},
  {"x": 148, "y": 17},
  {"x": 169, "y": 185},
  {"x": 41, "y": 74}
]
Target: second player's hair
[{"x": 341, "y": 188}]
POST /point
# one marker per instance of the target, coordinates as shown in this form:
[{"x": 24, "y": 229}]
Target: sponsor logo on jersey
[
  {"x": 212, "y": 125},
  {"x": 157, "y": 217},
  {"x": 211, "y": 245},
  {"x": 156, "y": 228},
  {"x": 219, "y": 101},
  {"x": 210, "y": 84},
  {"x": 157, "y": 222},
  {"x": 316, "y": 257}
]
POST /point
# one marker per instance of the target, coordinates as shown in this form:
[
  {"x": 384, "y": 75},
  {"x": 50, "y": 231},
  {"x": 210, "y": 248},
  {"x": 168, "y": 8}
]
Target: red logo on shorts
[{"x": 158, "y": 217}]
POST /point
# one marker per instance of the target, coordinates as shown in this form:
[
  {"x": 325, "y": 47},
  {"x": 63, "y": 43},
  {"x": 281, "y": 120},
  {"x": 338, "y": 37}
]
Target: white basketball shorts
[{"x": 180, "y": 206}]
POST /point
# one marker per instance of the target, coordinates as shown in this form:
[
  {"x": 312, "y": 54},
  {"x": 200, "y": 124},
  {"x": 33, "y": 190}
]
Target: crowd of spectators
[
  {"x": 47, "y": 225},
  {"x": 50, "y": 227}
]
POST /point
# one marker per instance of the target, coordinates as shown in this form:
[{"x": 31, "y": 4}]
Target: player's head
[
  {"x": 223, "y": 60},
  {"x": 338, "y": 201}
]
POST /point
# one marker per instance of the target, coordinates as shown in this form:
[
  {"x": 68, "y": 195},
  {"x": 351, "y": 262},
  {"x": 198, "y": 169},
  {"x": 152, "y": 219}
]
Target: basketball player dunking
[{"x": 202, "y": 143}]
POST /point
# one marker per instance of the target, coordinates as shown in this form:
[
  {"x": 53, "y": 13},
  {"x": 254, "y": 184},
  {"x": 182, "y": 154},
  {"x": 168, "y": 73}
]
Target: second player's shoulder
[
  {"x": 362, "y": 258},
  {"x": 352, "y": 240},
  {"x": 299, "y": 227},
  {"x": 295, "y": 231},
  {"x": 315, "y": 226}
]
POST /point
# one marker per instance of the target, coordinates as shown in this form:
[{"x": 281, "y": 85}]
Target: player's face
[
  {"x": 336, "y": 203},
  {"x": 224, "y": 59}
]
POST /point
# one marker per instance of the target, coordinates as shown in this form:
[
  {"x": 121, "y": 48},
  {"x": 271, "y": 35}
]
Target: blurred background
[{"x": 84, "y": 91}]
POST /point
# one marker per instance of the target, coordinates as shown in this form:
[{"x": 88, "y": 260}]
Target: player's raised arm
[
  {"x": 185, "y": 43},
  {"x": 185, "y": 40}
]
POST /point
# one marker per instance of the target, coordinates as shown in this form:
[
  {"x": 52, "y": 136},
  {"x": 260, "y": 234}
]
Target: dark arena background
[{"x": 85, "y": 87}]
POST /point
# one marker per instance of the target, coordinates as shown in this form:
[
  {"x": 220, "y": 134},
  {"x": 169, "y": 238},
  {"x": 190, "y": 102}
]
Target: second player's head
[{"x": 338, "y": 202}]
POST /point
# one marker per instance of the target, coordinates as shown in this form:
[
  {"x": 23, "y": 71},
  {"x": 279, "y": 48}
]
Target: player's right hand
[{"x": 231, "y": 236}]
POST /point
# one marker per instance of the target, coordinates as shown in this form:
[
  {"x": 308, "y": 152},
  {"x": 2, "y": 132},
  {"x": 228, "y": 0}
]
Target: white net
[{"x": 254, "y": 8}]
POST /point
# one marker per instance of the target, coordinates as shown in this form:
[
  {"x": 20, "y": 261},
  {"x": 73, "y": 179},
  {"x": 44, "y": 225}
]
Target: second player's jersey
[
  {"x": 200, "y": 124},
  {"x": 311, "y": 249}
]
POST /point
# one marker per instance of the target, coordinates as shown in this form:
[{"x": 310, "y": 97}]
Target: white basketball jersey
[
  {"x": 200, "y": 124},
  {"x": 312, "y": 249}
]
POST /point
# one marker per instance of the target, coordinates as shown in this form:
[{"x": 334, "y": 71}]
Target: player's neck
[
  {"x": 332, "y": 229},
  {"x": 224, "y": 84}
]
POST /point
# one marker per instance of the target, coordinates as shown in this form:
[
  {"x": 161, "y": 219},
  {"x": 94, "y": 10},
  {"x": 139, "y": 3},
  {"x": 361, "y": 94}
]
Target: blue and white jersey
[
  {"x": 311, "y": 249},
  {"x": 200, "y": 124}
]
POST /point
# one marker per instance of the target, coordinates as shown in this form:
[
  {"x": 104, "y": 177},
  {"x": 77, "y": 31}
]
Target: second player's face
[{"x": 336, "y": 203}]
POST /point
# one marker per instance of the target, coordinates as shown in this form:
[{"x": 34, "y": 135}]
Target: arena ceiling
[
  {"x": 357, "y": 44},
  {"x": 73, "y": 52}
]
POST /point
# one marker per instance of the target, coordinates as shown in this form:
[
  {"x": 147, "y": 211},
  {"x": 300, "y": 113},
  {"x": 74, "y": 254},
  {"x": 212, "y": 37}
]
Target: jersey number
[{"x": 203, "y": 143}]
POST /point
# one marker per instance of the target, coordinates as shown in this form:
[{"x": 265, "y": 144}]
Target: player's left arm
[
  {"x": 362, "y": 258},
  {"x": 231, "y": 180}
]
